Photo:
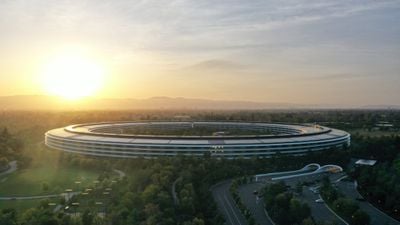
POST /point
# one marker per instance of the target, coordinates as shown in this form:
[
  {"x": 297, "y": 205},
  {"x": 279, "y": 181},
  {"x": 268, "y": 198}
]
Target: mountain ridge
[{"x": 45, "y": 102}]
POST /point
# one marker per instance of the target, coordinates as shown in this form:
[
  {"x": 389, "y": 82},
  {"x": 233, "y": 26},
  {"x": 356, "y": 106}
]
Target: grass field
[
  {"x": 44, "y": 169},
  {"x": 30, "y": 181},
  {"x": 20, "y": 205}
]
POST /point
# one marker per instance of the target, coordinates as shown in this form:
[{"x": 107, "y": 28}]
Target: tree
[
  {"x": 153, "y": 214},
  {"x": 3, "y": 163},
  {"x": 187, "y": 199},
  {"x": 45, "y": 186},
  {"x": 133, "y": 218},
  {"x": 150, "y": 193},
  {"x": 299, "y": 188},
  {"x": 8, "y": 217},
  {"x": 360, "y": 218},
  {"x": 345, "y": 206},
  {"x": 87, "y": 217},
  {"x": 197, "y": 221},
  {"x": 5, "y": 134},
  {"x": 307, "y": 221},
  {"x": 299, "y": 211},
  {"x": 38, "y": 216}
]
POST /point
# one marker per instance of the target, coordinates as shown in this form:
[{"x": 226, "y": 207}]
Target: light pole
[
  {"x": 68, "y": 191},
  {"x": 78, "y": 184},
  {"x": 76, "y": 205},
  {"x": 51, "y": 204},
  {"x": 99, "y": 204},
  {"x": 106, "y": 195}
]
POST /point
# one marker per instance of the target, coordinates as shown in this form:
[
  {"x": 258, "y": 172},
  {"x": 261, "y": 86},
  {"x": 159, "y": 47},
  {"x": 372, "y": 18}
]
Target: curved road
[
  {"x": 226, "y": 204},
  {"x": 121, "y": 174},
  {"x": 37, "y": 196},
  {"x": 173, "y": 191},
  {"x": 254, "y": 205},
  {"x": 377, "y": 217},
  {"x": 13, "y": 167},
  {"x": 233, "y": 215}
]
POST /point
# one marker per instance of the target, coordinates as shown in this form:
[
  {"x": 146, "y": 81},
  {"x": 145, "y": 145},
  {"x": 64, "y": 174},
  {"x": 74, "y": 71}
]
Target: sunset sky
[{"x": 308, "y": 52}]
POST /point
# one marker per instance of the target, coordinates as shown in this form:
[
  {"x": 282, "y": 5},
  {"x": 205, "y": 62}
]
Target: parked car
[{"x": 319, "y": 200}]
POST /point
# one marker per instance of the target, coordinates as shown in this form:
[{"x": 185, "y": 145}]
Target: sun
[{"x": 72, "y": 76}]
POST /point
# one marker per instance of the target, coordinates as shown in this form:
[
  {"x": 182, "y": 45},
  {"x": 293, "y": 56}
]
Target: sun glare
[{"x": 72, "y": 77}]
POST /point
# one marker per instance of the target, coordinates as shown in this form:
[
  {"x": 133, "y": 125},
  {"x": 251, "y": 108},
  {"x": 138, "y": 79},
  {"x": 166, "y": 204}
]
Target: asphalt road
[
  {"x": 319, "y": 211},
  {"x": 12, "y": 167},
  {"x": 255, "y": 206},
  {"x": 227, "y": 205},
  {"x": 377, "y": 216},
  {"x": 120, "y": 173},
  {"x": 173, "y": 191},
  {"x": 8, "y": 198}
]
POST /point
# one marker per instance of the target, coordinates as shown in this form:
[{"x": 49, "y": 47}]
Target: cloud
[
  {"x": 228, "y": 40},
  {"x": 338, "y": 76},
  {"x": 217, "y": 64}
]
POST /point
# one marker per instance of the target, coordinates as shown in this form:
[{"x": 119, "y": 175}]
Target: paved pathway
[
  {"x": 173, "y": 190},
  {"x": 121, "y": 173},
  {"x": 12, "y": 168},
  {"x": 69, "y": 195}
]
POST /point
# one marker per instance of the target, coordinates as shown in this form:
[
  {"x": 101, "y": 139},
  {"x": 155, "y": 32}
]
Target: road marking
[
  {"x": 233, "y": 211},
  {"x": 226, "y": 210}
]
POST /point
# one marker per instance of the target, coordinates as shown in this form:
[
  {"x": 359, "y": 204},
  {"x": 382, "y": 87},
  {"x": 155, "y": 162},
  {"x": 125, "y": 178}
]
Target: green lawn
[
  {"x": 20, "y": 205},
  {"x": 30, "y": 181}
]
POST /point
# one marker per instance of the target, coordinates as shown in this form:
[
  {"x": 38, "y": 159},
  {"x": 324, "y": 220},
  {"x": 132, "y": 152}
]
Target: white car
[{"x": 319, "y": 200}]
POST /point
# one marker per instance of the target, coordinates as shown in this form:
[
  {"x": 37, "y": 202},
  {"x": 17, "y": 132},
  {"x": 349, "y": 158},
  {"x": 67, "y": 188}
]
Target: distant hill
[
  {"x": 43, "y": 102},
  {"x": 396, "y": 107}
]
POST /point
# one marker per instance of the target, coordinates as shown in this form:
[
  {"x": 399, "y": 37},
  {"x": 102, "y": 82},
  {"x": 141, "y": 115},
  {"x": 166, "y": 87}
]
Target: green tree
[
  {"x": 345, "y": 207},
  {"x": 150, "y": 193},
  {"x": 87, "y": 217},
  {"x": 360, "y": 218},
  {"x": 299, "y": 188},
  {"x": 38, "y": 216},
  {"x": 198, "y": 221},
  {"x": 8, "y": 217},
  {"x": 307, "y": 221},
  {"x": 3, "y": 163},
  {"x": 45, "y": 186}
]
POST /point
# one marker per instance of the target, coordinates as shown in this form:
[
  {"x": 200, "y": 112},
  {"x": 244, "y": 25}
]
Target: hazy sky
[{"x": 334, "y": 52}]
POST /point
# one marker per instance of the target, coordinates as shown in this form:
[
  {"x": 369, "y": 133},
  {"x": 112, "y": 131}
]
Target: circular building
[{"x": 220, "y": 139}]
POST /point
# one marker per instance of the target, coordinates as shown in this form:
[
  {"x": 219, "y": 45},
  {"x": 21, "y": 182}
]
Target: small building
[{"x": 365, "y": 162}]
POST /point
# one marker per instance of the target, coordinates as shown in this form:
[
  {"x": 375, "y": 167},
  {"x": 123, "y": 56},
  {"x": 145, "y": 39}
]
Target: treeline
[
  {"x": 383, "y": 149},
  {"x": 379, "y": 184},
  {"x": 195, "y": 177},
  {"x": 144, "y": 196},
  {"x": 10, "y": 149},
  {"x": 31, "y": 125}
]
